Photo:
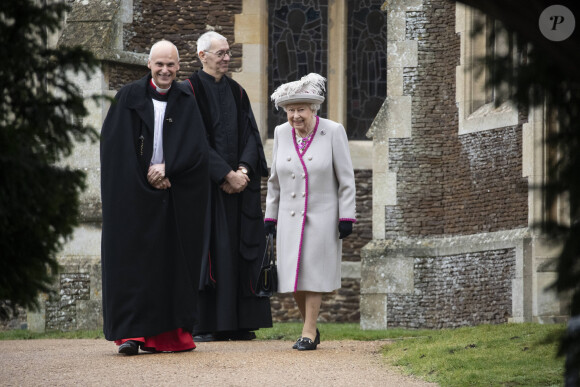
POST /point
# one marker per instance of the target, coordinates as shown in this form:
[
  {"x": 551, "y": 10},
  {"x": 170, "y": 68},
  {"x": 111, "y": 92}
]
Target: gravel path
[{"x": 257, "y": 363}]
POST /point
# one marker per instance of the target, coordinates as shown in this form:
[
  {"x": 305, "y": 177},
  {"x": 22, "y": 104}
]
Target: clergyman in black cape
[
  {"x": 228, "y": 307},
  {"x": 154, "y": 188}
]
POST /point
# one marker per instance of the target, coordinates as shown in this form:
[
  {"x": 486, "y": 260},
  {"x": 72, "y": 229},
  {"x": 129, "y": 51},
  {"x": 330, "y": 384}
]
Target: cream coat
[{"x": 307, "y": 195}]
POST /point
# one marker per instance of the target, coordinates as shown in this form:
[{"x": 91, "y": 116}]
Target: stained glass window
[
  {"x": 367, "y": 65},
  {"x": 298, "y": 45}
]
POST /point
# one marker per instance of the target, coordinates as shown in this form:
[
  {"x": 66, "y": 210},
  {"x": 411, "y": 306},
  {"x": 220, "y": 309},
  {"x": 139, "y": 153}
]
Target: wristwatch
[{"x": 243, "y": 169}]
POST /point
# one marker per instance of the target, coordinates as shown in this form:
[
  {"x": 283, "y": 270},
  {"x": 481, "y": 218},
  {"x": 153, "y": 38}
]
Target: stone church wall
[
  {"x": 456, "y": 290},
  {"x": 450, "y": 184},
  {"x": 460, "y": 197}
]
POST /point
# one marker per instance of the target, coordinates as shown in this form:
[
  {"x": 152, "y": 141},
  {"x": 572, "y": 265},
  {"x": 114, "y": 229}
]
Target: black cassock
[
  {"x": 152, "y": 240},
  {"x": 229, "y": 272}
]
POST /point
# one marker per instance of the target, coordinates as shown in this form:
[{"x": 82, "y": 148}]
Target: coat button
[
  {"x": 289, "y": 158},
  {"x": 303, "y": 194},
  {"x": 292, "y": 213},
  {"x": 303, "y": 175},
  {"x": 309, "y": 157},
  {"x": 301, "y": 212},
  {"x": 293, "y": 194},
  {"x": 293, "y": 176}
]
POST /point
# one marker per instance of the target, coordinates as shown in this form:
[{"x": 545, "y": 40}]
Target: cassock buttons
[
  {"x": 304, "y": 176},
  {"x": 293, "y": 194},
  {"x": 292, "y": 213},
  {"x": 303, "y": 194},
  {"x": 293, "y": 176},
  {"x": 289, "y": 158},
  {"x": 310, "y": 158}
]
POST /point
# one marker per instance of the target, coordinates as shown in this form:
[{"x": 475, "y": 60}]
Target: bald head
[
  {"x": 161, "y": 44},
  {"x": 164, "y": 63}
]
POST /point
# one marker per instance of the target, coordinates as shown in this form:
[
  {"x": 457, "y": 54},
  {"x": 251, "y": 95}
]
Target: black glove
[
  {"x": 270, "y": 227},
  {"x": 344, "y": 228}
]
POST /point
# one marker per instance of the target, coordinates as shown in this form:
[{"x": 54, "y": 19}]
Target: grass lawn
[{"x": 486, "y": 355}]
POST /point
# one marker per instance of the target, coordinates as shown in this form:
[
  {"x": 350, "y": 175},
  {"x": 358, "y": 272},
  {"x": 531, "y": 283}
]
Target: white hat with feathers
[{"x": 308, "y": 89}]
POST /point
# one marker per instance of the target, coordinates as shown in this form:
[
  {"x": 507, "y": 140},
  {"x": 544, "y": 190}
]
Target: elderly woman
[{"x": 310, "y": 201}]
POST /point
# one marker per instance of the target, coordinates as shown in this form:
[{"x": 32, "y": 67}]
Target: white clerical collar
[{"x": 160, "y": 90}]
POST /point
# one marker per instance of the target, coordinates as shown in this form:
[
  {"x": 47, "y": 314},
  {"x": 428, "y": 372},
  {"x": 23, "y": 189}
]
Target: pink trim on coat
[
  {"x": 347, "y": 220},
  {"x": 271, "y": 220},
  {"x": 306, "y": 195}
]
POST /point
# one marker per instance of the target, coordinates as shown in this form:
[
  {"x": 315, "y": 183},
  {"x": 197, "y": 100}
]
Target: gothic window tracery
[{"x": 297, "y": 46}]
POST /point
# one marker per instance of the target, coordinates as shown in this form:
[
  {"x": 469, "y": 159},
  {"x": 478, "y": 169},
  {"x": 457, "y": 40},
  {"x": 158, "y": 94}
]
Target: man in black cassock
[
  {"x": 228, "y": 307},
  {"x": 155, "y": 189}
]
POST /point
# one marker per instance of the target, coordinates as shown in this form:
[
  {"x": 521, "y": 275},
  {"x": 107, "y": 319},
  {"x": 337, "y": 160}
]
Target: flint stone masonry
[
  {"x": 61, "y": 309},
  {"x": 16, "y": 320},
  {"x": 457, "y": 290},
  {"x": 445, "y": 282},
  {"x": 76, "y": 301}
]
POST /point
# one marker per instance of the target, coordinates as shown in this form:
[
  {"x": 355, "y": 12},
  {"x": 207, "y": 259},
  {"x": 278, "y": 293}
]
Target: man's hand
[
  {"x": 235, "y": 182},
  {"x": 156, "y": 176},
  {"x": 227, "y": 188},
  {"x": 162, "y": 184}
]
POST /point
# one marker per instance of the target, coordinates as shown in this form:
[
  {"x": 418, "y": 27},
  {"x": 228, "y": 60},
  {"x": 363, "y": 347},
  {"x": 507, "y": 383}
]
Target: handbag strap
[
  {"x": 269, "y": 251},
  {"x": 272, "y": 256}
]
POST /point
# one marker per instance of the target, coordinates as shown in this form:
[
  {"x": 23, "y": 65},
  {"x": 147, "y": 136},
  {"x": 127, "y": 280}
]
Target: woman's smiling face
[{"x": 300, "y": 117}]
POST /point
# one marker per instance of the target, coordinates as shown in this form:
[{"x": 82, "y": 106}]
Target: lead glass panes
[
  {"x": 297, "y": 45},
  {"x": 367, "y": 65}
]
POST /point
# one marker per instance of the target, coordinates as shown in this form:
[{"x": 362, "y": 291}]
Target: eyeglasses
[{"x": 221, "y": 54}]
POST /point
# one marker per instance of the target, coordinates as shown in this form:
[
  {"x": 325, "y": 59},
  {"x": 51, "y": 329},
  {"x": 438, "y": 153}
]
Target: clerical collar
[
  {"x": 158, "y": 89},
  {"x": 153, "y": 93}
]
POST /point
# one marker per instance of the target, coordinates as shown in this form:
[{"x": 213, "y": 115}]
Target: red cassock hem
[{"x": 172, "y": 341}]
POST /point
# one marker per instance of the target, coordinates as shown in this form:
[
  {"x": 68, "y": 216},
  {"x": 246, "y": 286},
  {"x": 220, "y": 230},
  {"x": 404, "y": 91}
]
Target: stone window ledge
[{"x": 489, "y": 117}]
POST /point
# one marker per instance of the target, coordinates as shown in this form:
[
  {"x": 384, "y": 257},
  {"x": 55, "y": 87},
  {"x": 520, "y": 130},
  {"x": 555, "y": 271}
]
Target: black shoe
[
  {"x": 204, "y": 338},
  {"x": 129, "y": 348},
  {"x": 306, "y": 344},
  {"x": 295, "y": 346},
  {"x": 316, "y": 340}
]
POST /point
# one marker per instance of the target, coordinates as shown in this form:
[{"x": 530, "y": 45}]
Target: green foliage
[
  {"x": 40, "y": 119},
  {"x": 487, "y": 355}
]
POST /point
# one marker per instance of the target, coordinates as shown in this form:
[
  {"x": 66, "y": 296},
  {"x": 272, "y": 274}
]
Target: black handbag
[{"x": 267, "y": 283}]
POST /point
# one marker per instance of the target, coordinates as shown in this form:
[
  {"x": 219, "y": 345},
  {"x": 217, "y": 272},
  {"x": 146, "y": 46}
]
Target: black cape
[
  {"x": 237, "y": 241},
  {"x": 152, "y": 239}
]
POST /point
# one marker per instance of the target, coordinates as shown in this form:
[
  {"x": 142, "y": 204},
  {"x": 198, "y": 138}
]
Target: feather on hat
[{"x": 308, "y": 89}]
